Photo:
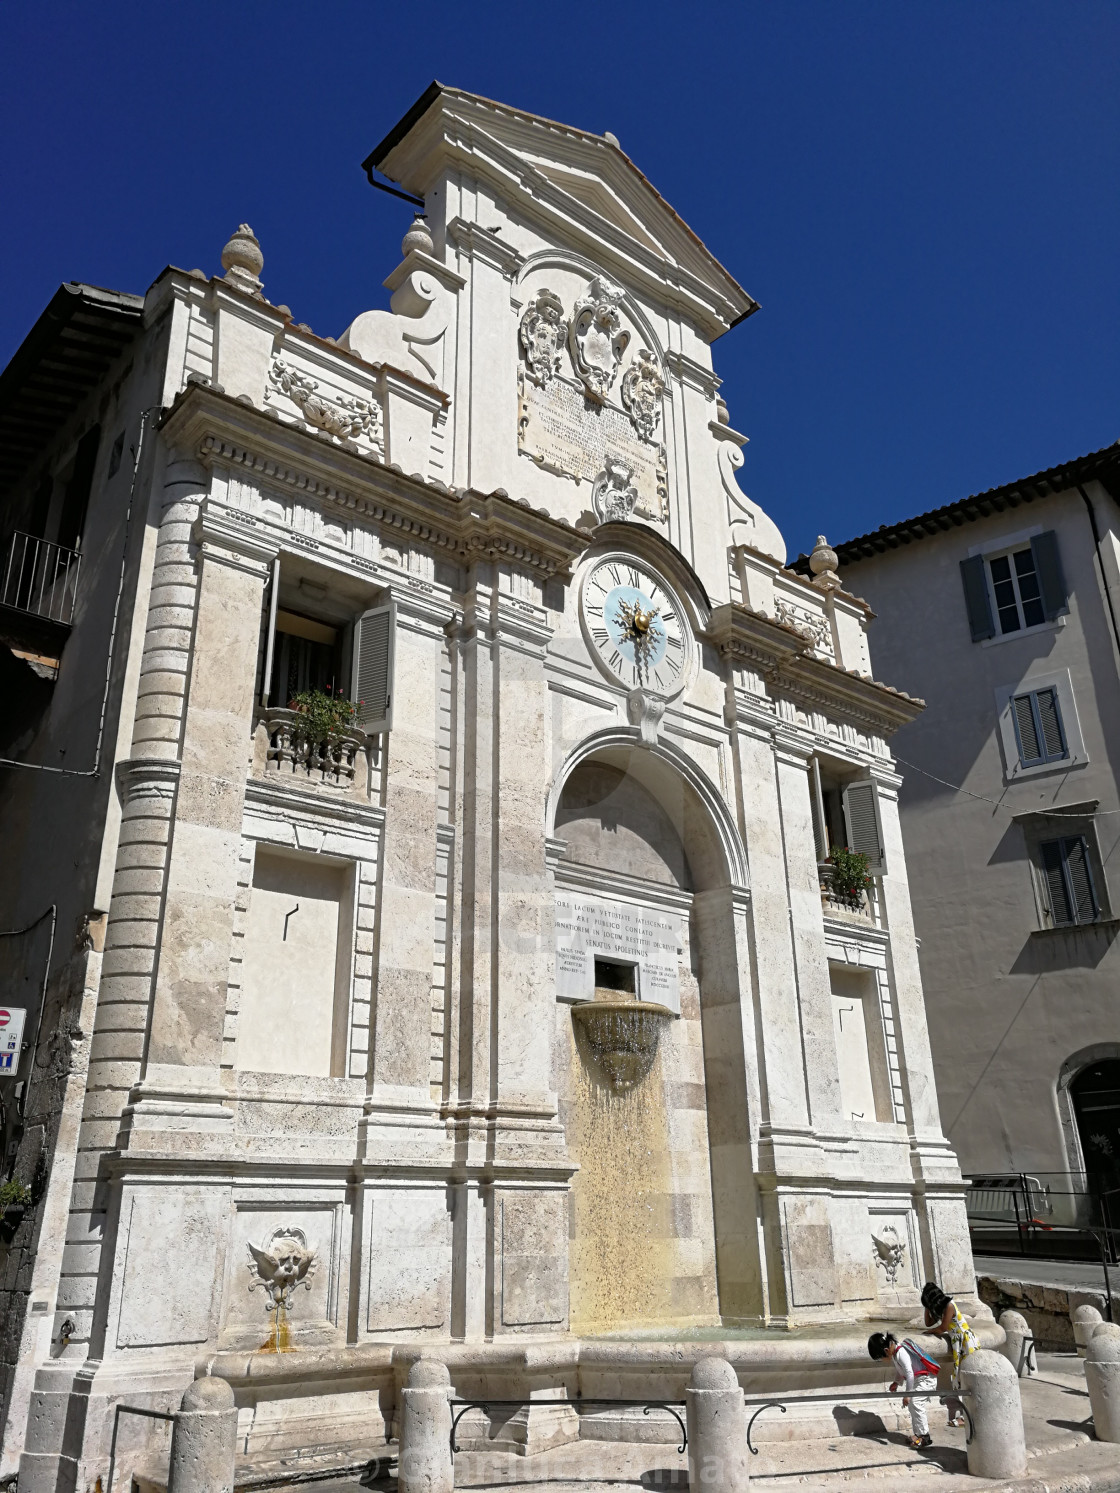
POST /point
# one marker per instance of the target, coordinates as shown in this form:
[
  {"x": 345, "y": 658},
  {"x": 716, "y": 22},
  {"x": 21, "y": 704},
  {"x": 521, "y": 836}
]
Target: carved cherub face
[{"x": 288, "y": 1255}]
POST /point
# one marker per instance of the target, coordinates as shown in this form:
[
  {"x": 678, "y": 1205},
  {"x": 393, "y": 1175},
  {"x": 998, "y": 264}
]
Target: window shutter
[
  {"x": 1030, "y": 750},
  {"x": 975, "y": 580},
  {"x": 861, "y": 816},
  {"x": 372, "y": 674},
  {"x": 1051, "y": 579},
  {"x": 1050, "y": 719},
  {"x": 1055, "y": 881},
  {"x": 1082, "y": 894}
]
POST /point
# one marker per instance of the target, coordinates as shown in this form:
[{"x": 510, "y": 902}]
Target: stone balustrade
[{"x": 292, "y": 750}]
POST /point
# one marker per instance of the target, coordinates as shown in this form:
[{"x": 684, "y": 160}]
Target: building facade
[
  {"x": 512, "y": 1009},
  {"x": 1001, "y": 611}
]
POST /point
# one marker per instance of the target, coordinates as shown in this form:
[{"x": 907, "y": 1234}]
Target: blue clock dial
[{"x": 633, "y": 624}]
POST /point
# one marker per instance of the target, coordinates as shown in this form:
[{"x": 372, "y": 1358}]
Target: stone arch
[
  {"x": 1067, "y": 1115},
  {"x": 683, "y": 790}
]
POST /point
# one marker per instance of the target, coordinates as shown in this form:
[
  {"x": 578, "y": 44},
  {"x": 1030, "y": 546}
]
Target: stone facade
[{"x": 524, "y": 1016}]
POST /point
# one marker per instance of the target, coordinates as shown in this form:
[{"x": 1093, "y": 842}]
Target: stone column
[
  {"x": 406, "y": 916},
  {"x": 181, "y": 1086},
  {"x": 991, "y": 1391},
  {"x": 204, "y": 1440},
  {"x": 718, "y": 1459},
  {"x": 1102, "y": 1377}
]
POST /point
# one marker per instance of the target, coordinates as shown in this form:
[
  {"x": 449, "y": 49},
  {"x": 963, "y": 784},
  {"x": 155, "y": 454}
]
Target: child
[
  {"x": 915, "y": 1372},
  {"x": 943, "y": 1319}
]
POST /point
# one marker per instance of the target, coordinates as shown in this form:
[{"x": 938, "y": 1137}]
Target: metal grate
[{"x": 41, "y": 578}]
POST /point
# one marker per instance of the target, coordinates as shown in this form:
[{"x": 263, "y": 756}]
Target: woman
[{"x": 943, "y": 1319}]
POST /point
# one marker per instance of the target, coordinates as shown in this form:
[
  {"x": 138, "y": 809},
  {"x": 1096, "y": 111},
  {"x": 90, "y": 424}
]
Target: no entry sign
[{"x": 11, "y": 1038}]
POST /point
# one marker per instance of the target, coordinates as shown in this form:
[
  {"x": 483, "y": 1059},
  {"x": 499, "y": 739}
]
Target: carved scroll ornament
[{"x": 341, "y": 416}]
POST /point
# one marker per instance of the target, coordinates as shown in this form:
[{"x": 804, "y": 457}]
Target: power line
[{"x": 997, "y": 804}]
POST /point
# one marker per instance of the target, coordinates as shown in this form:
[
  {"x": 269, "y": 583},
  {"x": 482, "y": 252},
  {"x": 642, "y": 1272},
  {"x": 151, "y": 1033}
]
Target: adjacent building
[
  {"x": 1002, "y": 612},
  {"x": 511, "y": 1010}
]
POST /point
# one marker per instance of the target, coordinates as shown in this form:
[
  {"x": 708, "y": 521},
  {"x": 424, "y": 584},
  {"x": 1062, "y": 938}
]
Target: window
[
  {"x": 1019, "y": 588},
  {"x": 1069, "y": 884},
  {"x": 846, "y": 813},
  {"x": 1038, "y": 727},
  {"x": 1015, "y": 589}
]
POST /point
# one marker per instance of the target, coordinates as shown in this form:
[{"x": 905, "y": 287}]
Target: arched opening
[
  {"x": 650, "y": 907},
  {"x": 1095, "y": 1093}
]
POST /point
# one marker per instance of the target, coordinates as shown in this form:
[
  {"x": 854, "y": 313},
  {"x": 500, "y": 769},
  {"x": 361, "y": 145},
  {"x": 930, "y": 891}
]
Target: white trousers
[{"x": 919, "y": 1419}]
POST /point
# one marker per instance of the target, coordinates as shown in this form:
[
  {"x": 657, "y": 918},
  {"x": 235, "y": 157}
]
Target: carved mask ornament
[
  {"x": 596, "y": 337},
  {"x": 613, "y": 494},
  {"x": 543, "y": 330},
  {"x": 286, "y": 1262},
  {"x": 642, "y": 391}
]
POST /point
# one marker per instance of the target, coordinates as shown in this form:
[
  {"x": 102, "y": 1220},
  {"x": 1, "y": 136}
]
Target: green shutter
[
  {"x": 977, "y": 602},
  {"x": 372, "y": 674},
  {"x": 1051, "y": 579}
]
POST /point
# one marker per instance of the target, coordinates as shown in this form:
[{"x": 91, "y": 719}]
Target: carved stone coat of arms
[
  {"x": 544, "y": 328},
  {"x": 642, "y": 391},
  {"x": 597, "y": 338}
]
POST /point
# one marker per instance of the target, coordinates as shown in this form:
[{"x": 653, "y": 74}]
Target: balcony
[
  {"x": 861, "y": 908},
  {"x": 284, "y": 748},
  {"x": 38, "y": 594}
]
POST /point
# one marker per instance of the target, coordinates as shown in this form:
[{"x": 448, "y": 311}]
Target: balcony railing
[
  {"x": 40, "y": 578},
  {"x": 293, "y": 751},
  {"x": 864, "y": 907}
]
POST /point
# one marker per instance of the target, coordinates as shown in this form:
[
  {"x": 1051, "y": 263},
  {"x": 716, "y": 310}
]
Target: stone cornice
[
  {"x": 693, "y": 374},
  {"x": 481, "y": 244},
  {"x": 783, "y": 657},
  {"x": 469, "y": 526}
]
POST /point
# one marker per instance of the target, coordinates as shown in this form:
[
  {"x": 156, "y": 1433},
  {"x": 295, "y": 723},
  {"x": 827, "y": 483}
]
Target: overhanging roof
[
  {"x": 1102, "y": 465},
  {"x": 66, "y": 354}
]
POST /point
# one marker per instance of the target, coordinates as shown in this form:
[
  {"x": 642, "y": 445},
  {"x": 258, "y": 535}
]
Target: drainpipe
[{"x": 1100, "y": 562}]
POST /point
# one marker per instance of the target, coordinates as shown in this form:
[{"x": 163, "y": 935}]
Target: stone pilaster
[{"x": 181, "y": 1086}]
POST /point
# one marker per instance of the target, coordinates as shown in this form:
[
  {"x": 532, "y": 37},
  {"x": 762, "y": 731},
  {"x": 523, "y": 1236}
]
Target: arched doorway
[
  {"x": 1095, "y": 1092},
  {"x": 649, "y": 897}
]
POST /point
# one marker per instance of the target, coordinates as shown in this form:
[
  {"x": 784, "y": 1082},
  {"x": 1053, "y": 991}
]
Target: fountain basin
[{"x": 623, "y": 1037}]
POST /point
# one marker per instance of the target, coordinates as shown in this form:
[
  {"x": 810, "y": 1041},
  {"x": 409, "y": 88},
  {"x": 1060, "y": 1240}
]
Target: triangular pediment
[{"x": 579, "y": 189}]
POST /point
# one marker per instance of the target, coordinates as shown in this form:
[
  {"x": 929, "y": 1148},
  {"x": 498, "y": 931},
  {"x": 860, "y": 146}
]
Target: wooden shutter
[
  {"x": 1082, "y": 895},
  {"x": 974, "y": 578},
  {"x": 1051, "y": 578},
  {"x": 861, "y": 817},
  {"x": 1050, "y": 720},
  {"x": 372, "y": 673},
  {"x": 1030, "y": 748},
  {"x": 1055, "y": 882}
]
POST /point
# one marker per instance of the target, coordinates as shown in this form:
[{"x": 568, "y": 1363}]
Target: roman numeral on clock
[{"x": 600, "y": 635}]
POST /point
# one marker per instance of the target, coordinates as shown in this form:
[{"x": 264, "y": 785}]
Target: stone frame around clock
[{"x": 629, "y": 557}]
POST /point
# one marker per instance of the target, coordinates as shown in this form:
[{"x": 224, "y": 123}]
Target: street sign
[{"x": 12, "y": 1019}]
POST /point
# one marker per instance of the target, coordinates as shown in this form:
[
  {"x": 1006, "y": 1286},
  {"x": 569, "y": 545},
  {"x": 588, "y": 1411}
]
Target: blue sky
[{"x": 922, "y": 197}]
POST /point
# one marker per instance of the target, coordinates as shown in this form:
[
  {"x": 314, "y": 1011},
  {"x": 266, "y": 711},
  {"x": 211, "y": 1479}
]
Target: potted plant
[
  {"x": 15, "y": 1197},
  {"x": 848, "y": 876},
  {"x": 324, "y": 716}
]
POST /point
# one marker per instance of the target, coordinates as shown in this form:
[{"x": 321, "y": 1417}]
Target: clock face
[{"x": 634, "y": 625}]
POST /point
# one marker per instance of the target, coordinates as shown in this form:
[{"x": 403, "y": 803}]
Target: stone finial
[
  {"x": 418, "y": 239},
  {"x": 823, "y": 562},
  {"x": 723, "y": 414},
  {"x": 243, "y": 261}
]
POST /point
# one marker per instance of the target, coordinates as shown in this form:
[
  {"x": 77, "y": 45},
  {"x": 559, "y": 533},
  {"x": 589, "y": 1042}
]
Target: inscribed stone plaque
[
  {"x": 565, "y": 432},
  {"x": 649, "y": 937}
]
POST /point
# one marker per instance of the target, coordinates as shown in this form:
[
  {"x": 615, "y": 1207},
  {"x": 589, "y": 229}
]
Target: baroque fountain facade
[{"x": 580, "y": 1058}]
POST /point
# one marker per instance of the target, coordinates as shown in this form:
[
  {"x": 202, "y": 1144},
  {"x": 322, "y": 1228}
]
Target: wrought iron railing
[{"x": 40, "y": 578}]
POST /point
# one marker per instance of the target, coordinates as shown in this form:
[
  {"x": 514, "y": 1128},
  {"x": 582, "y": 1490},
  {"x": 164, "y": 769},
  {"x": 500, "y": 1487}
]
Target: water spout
[{"x": 623, "y": 1036}]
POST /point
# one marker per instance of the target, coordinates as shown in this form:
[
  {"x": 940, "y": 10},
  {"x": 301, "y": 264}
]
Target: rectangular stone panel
[
  {"x": 648, "y": 937},
  {"x": 534, "y": 1258},
  {"x": 409, "y": 1282},
  {"x": 812, "y": 1267},
  {"x": 167, "y": 1292}
]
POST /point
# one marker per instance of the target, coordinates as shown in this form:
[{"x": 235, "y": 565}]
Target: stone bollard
[
  {"x": 424, "y": 1458},
  {"x": 1016, "y": 1348},
  {"x": 1102, "y": 1377},
  {"x": 991, "y": 1392},
  {"x": 204, "y": 1440},
  {"x": 718, "y": 1459},
  {"x": 1084, "y": 1319}
]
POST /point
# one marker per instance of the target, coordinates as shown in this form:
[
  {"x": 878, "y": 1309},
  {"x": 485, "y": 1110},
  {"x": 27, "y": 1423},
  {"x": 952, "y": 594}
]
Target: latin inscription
[
  {"x": 647, "y": 937},
  {"x": 565, "y": 432}
]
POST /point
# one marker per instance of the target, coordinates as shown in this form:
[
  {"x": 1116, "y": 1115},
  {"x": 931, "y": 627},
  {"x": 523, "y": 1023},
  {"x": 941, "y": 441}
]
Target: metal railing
[
  {"x": 842, "y": 1399},
  {"x": 129, "y": 1410},
  {"x": 40, "y": 578},
  {"x": 577, "y": 1403}
]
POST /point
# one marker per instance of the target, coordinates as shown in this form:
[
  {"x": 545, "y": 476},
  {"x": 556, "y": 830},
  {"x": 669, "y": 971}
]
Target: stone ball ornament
[
  {"x": 243, "y": 252},
  {"x": 418, "y": 239}
]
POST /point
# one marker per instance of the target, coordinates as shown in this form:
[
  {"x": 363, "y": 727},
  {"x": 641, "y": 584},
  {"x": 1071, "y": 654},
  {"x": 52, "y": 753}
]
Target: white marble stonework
[{"x": 340, "y": 1022}]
